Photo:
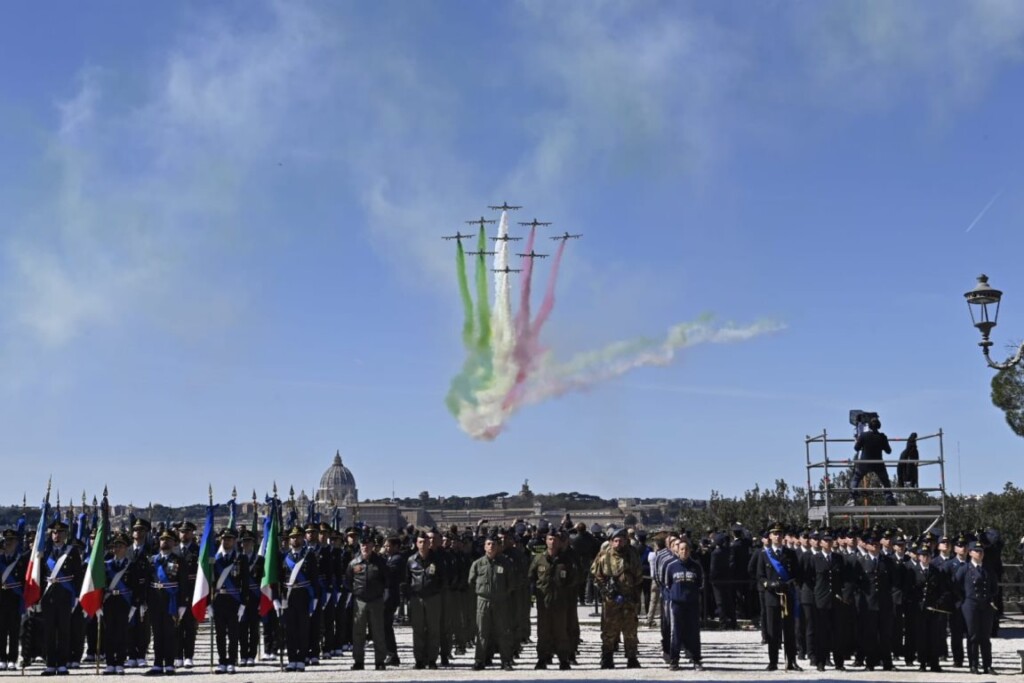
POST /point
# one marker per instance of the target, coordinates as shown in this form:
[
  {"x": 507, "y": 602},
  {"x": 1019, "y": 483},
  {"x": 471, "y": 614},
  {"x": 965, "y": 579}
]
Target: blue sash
[
  {"x": 14, "y": 583},
  {"x": 65, "y": 581},
  {"x": 123, "y": 590},
  {"x": 172, "y": 591},
  {"x": 300, "y": 578},
  {"x": 784, "y": 576}
]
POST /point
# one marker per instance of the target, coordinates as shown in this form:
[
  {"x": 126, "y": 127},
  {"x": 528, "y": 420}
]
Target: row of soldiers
[{"x": 474, "y": 588}]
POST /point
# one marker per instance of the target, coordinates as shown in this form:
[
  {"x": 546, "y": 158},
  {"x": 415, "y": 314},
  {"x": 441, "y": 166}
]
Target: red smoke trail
[
  {"x": 522, "y": 324},
  {"x": 527, "y": 349}
]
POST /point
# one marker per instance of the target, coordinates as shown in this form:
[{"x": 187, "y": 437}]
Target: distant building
[{"x": 337, "y": 486}]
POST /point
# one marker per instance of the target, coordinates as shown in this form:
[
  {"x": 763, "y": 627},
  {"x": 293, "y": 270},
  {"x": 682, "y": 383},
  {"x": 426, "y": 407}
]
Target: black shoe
[
  {"x": 673, "y": 665},
  {"x": 772, "y": 667},
  {"x": 632, "y": 663},
  {"x": 432, "y": 665},
  {"x": 821, "y": 667},
  {"x": 564, "y": 666},
  {"x": 974, "y": 670},
  {"x": 540, "y": 665},
  {"x": 380, "y": 667},
  {"x": 444, "y": 661},
  {"x": 989, "y": 670},
  {"x": 358, "y": 666},
  {"x": 478, "y": 667},
  {"x": 607, "y": 662},
  {"x": 793, "y": 666},
  {"x": 840, "y": 667},
  {"x": 697, "y": 666},
  {"x": 507, "y": 666},
  {"x": 922, "y": 667},
  {"x": 393, "y": 660},
  {"x": 935, "y": 669},
  {"x": 419, "y": 665}
]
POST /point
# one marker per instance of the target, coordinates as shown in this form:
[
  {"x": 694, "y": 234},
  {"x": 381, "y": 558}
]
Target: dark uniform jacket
[
  {"x": 831, "y": 580},
  {"x": 771, "y": 583},
  {"x": 875, "y": 582},
  {"x": 368, "y": 577},
  {"x": 553, "y": 579},
  {"x": 425, "y": 575}
]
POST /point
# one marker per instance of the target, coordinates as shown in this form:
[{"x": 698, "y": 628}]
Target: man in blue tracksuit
[{"x": 684, "y": 581}]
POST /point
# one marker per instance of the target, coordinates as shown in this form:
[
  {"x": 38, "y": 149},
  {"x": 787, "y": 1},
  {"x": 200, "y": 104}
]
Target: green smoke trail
[
  {"x": 483, "y": 306},
  {"x": 467, "y": 300}
]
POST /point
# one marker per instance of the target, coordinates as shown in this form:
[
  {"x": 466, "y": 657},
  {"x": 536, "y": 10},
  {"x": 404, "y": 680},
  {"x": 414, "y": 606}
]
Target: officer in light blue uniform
[
  {"x": 684, "y": 581},
  {"x": 976, "y": 587}
]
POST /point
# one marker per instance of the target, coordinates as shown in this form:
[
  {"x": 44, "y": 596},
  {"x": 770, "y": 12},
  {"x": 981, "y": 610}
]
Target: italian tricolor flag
[
  {"x": 34, "y": 571},
  {"x": 201, "y": 594},
  {"x": 91, "y": 597},
  {"x": 271, "y": 561}
]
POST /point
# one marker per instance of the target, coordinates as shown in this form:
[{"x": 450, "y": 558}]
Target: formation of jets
[
  {"x": 505, "y": 206},
  {"x": 507, "y": 270},
  {"x": 481, "y": 222}
]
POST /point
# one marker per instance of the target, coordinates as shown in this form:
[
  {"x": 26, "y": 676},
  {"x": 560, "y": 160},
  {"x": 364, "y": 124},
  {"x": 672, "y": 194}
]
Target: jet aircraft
[
  {"x": 533, "y": 254},
  {"x": 481, "y": 222},
  {"x": 481, "y": 253},
  {"x": 457, "y": 236},
  {"x": 507, "y": 270},
  {"x": 506, "y": 238},
  {"x": 534, "y": 223},
  {"x": 504, "y": 207},
  {"x": 567, "y": 236}
]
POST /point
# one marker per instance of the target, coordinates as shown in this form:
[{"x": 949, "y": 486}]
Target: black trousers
[
  {"x": 249, "y": 631},
  {"x": 877, "y": 632},
  {"x": 138, "y": 644},
  {"x": 57, "y": 625},
  {"x": 225, "y": 624},
  {"x": 270, "y": 626},
  {"x": 725, "y": 598},
  {"x": 780, "y": 632},
  {"x": 10, "y": 625},
  {"x": 315, "y": 622},
  {"x": 187, "y": 630},
  {"x": 165, "y": 631},
  {"x": 805, "y": 626},
  {"x": 296, "y": 620},
  {"x": 928, "y": 636},
  {"x": 390, "y": 607},
  {"x": 114, "y": 638},
  {"x": 957, "y": 634},
  {"x": 77, "y": 635}
]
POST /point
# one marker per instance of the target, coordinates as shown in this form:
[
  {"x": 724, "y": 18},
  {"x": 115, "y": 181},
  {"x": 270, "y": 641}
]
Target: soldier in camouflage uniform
[
  {"x": 491, "y": 579},
  {"x": 617, "y": 576}
]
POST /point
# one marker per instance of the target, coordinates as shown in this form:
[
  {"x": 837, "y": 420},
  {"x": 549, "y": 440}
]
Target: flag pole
[{"x": 211, "y": 594}]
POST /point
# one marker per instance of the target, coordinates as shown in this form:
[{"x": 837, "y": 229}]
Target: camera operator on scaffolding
[{"x": 870, "y": 447}]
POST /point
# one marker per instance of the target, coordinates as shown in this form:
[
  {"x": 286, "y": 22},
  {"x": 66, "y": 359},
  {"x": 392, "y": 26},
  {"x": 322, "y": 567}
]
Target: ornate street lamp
[{"x": 978, "y": 301}]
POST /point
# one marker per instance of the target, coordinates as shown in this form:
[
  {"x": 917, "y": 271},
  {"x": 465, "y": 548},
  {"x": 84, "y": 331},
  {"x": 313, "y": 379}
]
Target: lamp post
[{"x": 978, "y": 301}]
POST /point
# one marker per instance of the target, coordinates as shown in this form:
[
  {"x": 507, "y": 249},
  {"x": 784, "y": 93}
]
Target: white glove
[
  {"x": 74, "y": 604},
  {"x": 277, "y": 607},
  {"x": 99, "y": 613},
  {"x": 315, "y": 600},
  {"x": 181, "y": 612},
  {"x": 142, "y": 612},
  {"x": 131, "y": 613},
  {"x": 241, "y": 612},
  {"x": 209, "y": 612}
]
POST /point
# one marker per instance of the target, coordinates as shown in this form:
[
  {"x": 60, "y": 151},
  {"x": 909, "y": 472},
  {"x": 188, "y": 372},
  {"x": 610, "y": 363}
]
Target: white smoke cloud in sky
[{"x": 147, "y": 188}]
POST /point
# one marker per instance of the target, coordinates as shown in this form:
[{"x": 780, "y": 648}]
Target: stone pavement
[{"x": 728, "y": 656}]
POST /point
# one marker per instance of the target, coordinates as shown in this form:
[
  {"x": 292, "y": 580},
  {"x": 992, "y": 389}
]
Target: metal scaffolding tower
[{"x": 829, "y": 505}]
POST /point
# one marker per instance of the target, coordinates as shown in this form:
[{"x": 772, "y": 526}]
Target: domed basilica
[{"x": 337, "y": 486}]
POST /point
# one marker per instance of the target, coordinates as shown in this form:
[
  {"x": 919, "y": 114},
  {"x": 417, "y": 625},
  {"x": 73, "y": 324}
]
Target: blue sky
[{"x": 220, "y": 255}]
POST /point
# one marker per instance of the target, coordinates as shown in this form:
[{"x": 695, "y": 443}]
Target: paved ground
[{"x": 728, "y": 656}]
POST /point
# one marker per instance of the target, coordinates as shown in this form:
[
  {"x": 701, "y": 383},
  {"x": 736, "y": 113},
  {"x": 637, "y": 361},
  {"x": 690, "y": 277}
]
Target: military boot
[
  {"x": 632, "y": 662},
  {"x": 606, "y": 661}
]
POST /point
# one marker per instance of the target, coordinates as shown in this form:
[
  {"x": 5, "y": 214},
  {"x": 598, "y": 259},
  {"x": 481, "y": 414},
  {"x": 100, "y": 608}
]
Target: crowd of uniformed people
[{"x": 836, "y": 598}]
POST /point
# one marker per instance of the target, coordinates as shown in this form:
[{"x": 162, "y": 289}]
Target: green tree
[{"x": 1008, "y": 396}]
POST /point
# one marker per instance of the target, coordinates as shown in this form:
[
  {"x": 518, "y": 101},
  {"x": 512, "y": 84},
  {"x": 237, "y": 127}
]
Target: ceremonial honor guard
[
  {"x": 162, "y": 601},
  {"x": 120, "y": 602},
  {"x": 833, "y": 605},
  {"x": 928, "y": 598},
  {"x": 249, "y": 628},
  {"x": 231, "y": 574},
  {"x": 777, "y": 575},
  {"x": 188, "y": 551},
  {"x": 299, "y": 565},
  {"x": 312, "y": 532},
  {"x": 138, "y": 634},
  {"x": 13, "y": 565},
  {"x": 875, "y": 606},
  {"x": 62, "y": 578},
  {"x": 976, "y": 587}
]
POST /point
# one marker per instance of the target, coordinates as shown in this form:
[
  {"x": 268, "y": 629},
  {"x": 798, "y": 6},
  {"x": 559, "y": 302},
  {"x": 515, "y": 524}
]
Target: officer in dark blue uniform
[
  {"x": 121, "y": 597},
  {"x": 778, "y": 575},
  {"x": 976, "y": 587},
  {"x": 187, "y": 626},
  {"x": 950, "y": 566},
  {"x": 875, "y": 606},
  {"x": 299, "y": 571},
  {"x": 928, "y": 598},
  {"x": 249, "y": 628},
  {"x": 13, "y": 564},
  {"x": 164, "y": 591},
  {"x": 62, "y": 573},
  {"x": 230, "y": 576},
  {"x": 684, "y": 582}
]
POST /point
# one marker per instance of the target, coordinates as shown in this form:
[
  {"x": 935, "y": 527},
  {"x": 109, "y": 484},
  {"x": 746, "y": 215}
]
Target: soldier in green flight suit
[
  {"x": 491, "y": 578},
  {"x": 553, "y": 575}
]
